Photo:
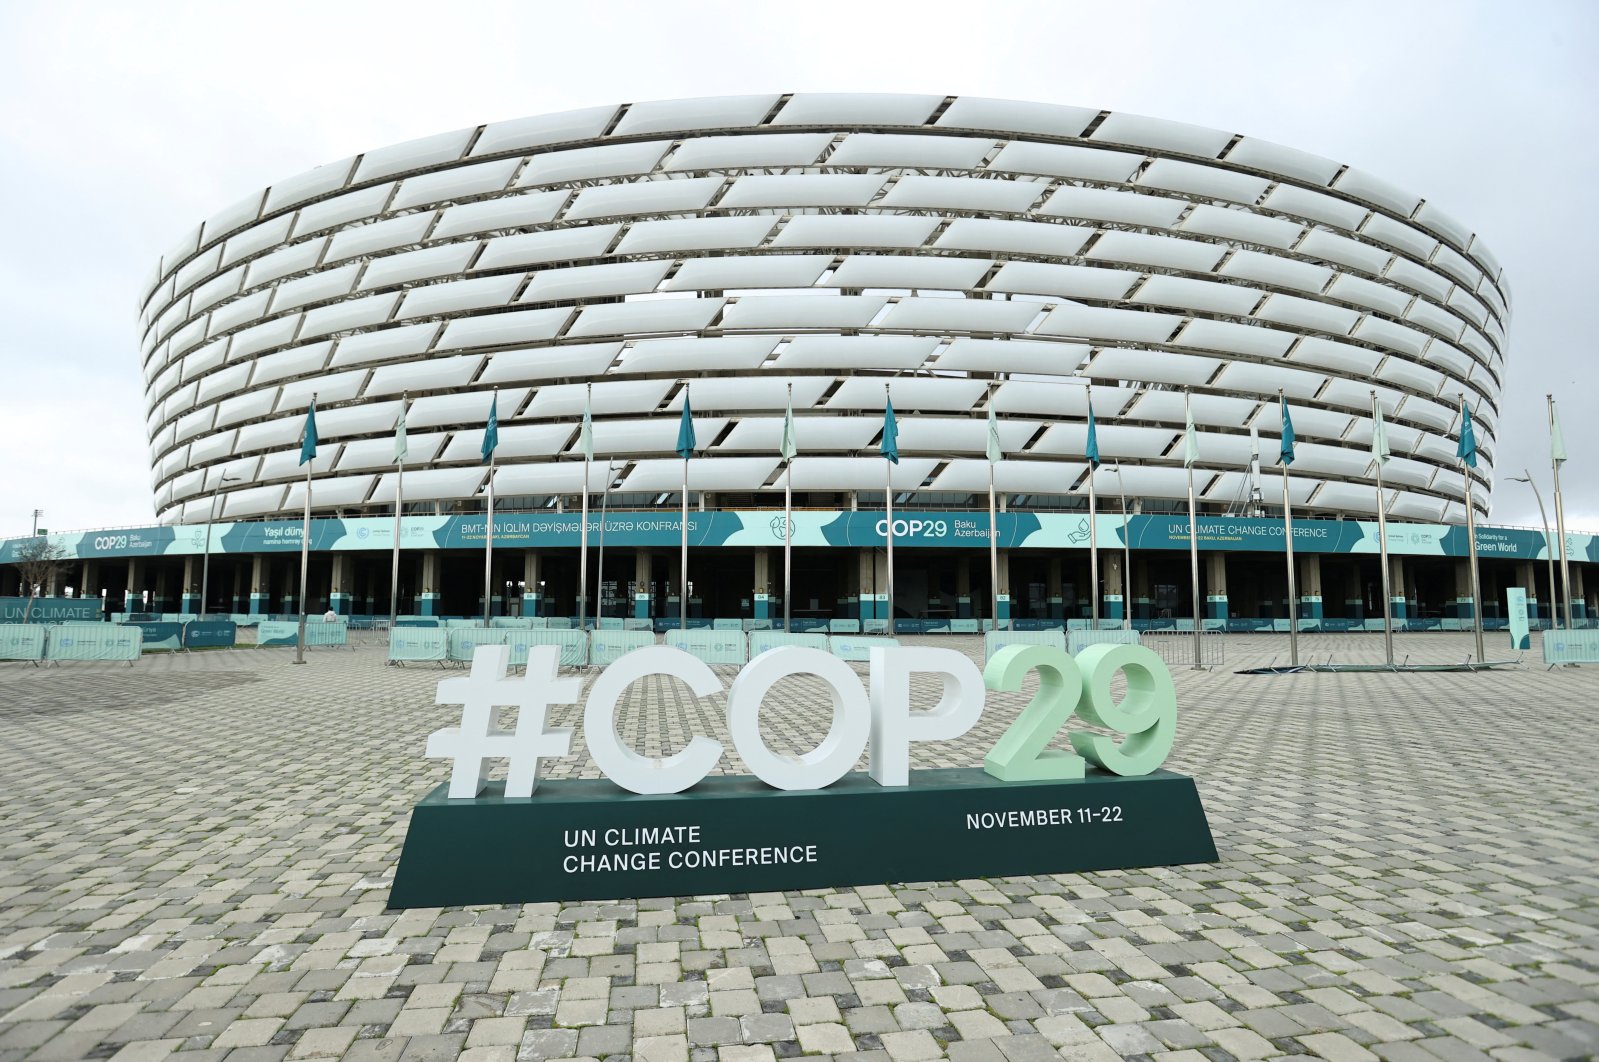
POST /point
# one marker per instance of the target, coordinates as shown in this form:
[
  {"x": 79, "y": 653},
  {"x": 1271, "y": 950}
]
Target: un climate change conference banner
[{"x": 912, "y": 529}]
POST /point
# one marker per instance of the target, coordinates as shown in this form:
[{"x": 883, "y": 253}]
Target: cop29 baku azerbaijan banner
[
  {"x": 669, "y": 826},
  {"x": 940, "y": 529}
]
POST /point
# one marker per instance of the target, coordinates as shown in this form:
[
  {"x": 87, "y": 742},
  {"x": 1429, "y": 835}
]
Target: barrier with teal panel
[
  {"x": 463, "y": 641},
  {"x": 1571, "y": 647},
  {"x": 844, "y": 626},
  {"x": 327, "y": 632},
  {"x": 760, "y": 624},
  {"x": 994, "y": 641},
  {"x": 277, "y": 633},
  {"x": 21, "y": 641},
  {"x": 711, "y": 646},
  {"x": 94, "y": 641},
  {"x": 725, "y": 624},
  {"x": 963, "y": 626},
  {"x": 574, "y": 645},
  {"x": 608, "y": 646},
  {"x": 638, "y": 623},
  {"x": 761, "y": 641},
  {"x": 160, "y": 635},
  {"x": 609, "y": 623},
  {"x": 858, "y": 646},
  {"x": 522, "y": 623},
  {"x": 560, "y": 623},
  {"x": 419, "y": 644},
  {"x": 210, "y": 634}
]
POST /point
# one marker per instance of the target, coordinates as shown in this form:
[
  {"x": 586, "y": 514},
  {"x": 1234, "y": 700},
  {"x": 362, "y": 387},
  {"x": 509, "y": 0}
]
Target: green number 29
[{"x": 1147, "y": 715}]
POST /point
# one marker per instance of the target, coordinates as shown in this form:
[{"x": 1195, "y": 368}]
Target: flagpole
[
  {"x": 305, "y": 533},
  {"x": 1555, "y": 458},
  {"x": 1471, "y": 542},
  {"x": 888, "y": 512},
  {"x": 399, "y": 507},
  {"x": 1193, "y": 536},
  {"x": 583, "y": 532},
  {"x": 1382, "y": 537},
  {"x": 490, "y": 443},
  {"x": 1093, "y": 529},
  {"x": 993, "y": 528},
  {"x": 788, "y": 515},
  {"x": 685, "y": 450},
  {"x": 1288, "y": 548}
]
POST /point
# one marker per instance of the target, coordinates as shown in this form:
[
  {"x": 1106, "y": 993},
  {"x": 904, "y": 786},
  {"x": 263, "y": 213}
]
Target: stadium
[{"x": 963, "y": 256}]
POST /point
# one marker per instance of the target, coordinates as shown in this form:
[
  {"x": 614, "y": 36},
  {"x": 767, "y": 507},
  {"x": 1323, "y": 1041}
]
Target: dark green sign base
[{"x": 588, "y": 839}]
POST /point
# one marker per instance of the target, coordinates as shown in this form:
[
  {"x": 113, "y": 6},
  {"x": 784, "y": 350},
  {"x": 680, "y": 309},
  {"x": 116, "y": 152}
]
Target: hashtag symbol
[{"x": 476, "y": 740}]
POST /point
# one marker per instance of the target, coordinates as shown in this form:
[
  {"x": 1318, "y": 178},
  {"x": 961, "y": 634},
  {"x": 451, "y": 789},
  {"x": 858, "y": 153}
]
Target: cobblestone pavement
[{"x": 195, "y": 852}]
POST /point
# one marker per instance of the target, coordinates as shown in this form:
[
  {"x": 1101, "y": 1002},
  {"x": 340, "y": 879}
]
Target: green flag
[
  {"x": 685, "y": 430},
  {"x": 1285, "y": 449},
  {"x": 1557, "y": 439},
  {"x": 1091, "y": 451},
  {"x": 491, "y": 434},
  {"x": 890, "y": 444},
  {"x": 308, "y": 440},
  {"x": 401, "y": 450},
  {"x": 788, "y": 448}
]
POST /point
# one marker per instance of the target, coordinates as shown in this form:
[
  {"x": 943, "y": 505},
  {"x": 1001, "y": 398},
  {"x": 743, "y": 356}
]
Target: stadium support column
[
  {"x": 963, "y": 587},
  {"x": 1310, "y": 587},
  {"x": 1527, "y": 576},
  {"x": 1115, "y": 586},
  {"x": 260, "y": 571},
  {"x": 427, "y": 602},
  {"x": 1465, "y": 609},
  {"x": 1003, "y": 620},
  {"x": 1216, "y": 586},
  {"x": 532, "y": 591},
  {"x": 643, "y": 583},
  {"x": 190, "y": 601},
  {"x": 1057, "y": 596},
  {"x": 131, "y": 599},
  {"x": 873, "y": 567},
  {"x": 339, "y": 584},
  {"x": 761, "y": 602},
  {"x": 86, "y": 573},
  {"x": 1142, "y": 603},
  {"x": 1398, "y": 603},
  {"x": 1579, "y": 598}
]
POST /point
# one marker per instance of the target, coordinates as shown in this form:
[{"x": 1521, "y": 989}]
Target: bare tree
[{"x": 37, "y": 561}]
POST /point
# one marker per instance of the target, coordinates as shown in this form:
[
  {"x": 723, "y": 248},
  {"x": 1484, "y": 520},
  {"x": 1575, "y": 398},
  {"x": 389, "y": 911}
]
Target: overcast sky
[{"x": 123, "y": 125}]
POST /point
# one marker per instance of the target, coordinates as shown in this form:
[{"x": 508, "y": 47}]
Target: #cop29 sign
[{"x": 673, "y": 825}]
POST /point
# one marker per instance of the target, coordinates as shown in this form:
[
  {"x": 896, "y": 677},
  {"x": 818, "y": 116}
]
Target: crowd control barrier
[
  {"x": 158, "y": 634},
  {"x": 727, "y": 625},
  {"x": 277, "y": 633},
  {"x": 608, "y": 646},
  {"x": 210, "y": 634},
  {"x": 326, "y": 632},
  {"x": 844, "y": 626},
  {"x": 574, "y": 645},
  {"x": 94, "y": 641},
  {"x": 1570, "y": 647},
  {"x": 857, "y": 646},
  {"x": 22, "y": 641},
  {"x": 711, "y": 646},
  {"x": 409, "y": 644},
  {"x": 994, "y": 641},
  {"x": 1077, "y": 641},
  {"x": 760, "y": 641}
]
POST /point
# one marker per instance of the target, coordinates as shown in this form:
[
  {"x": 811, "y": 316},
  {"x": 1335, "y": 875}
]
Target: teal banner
[
  {"x": 912, "y": 530},
  {"x": 1516, "y": 606},
  {"x": 277, "y": 632},
  {"x": 94, "y": 641},
  {"x": 159, "y": 635},
  {"x": 49, "y": 609}
]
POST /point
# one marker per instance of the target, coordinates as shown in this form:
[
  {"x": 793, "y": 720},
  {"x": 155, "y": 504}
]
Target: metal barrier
[
  {"x": 994, "y": 641},
  {"x": 1077, "y": 641},
  {"x": 1177, "y": 647},
  {"x": 761, "y": 641},
  {"x": 607, "y": 646},
  {"x": 419, "y": 644},
  {"x": 858, "y": 646},
  {"x": 22, "y": 641},
  {"x": 94, "y": 641},
  {"x": 844, "y": 626},
  {"x": 1570, "y": 647},
  {"x": 574, "y": 645}
]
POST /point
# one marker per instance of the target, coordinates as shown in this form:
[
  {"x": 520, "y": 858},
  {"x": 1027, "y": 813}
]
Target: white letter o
[{"x": 846, "y": 737}]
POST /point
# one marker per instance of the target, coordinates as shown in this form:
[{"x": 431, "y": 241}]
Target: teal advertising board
[
  {"x": 764, "y": 529},
  {"x": 49, "y": 609}
]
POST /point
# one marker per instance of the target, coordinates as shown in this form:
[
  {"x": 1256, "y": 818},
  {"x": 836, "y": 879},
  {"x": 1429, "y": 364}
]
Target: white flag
[
  {"x": 585, "y": 435},
  {"x": 400, "y": 448},
  {"x": 1557, "y": 440},
  {"x": 1379, "y": 436},
  {"x": 995, "y": 453},
  {"x": 1190, "y": 436}
]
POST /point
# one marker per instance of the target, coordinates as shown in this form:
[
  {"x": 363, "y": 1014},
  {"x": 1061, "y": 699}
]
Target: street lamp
[
  {"x": 1549, "y": 544},
  {"x": 211, "y": 518},
  {"x": 1127, "y": 556}
]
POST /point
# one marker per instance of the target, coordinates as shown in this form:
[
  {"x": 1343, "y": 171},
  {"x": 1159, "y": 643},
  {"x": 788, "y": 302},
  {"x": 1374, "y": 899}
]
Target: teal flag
[
  {"x": 308, "y": 440},
  {"x": 890, "y": 443},
  {"x": 1467, "y": 450},
  {"x": 1091, "y": 451},
  {"x": 685, "y": 431},
  {"x": 1285, "y": 452},
  {"x": 1557, "y": 439},
  {"x": 491, "y": 434}
]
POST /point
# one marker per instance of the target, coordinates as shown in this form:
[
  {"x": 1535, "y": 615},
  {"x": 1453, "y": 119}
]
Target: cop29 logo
[
  {"x": 877, "y": 717},
  {"x": 914, "y": 528}
]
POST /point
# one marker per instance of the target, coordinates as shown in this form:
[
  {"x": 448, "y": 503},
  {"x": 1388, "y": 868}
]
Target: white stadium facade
[{"x": 972, "y": 254}]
